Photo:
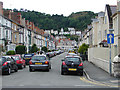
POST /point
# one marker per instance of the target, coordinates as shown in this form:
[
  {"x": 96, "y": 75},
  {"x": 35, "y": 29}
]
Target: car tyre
[
  {"x": 16, "y": 69},
  {"x": 30, "y": 69},
  {"x": 21, "y": 67},
  {"x": 62, "y": 73},
  {"x": 50, "y": 67},
  {"x": 81, "y": 73},
  {"x": 9, "y": 71},
  {"x": 25, "y": 66}
]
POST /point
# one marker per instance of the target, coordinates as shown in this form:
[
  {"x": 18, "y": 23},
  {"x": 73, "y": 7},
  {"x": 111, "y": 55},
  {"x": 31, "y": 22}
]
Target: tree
[
  {"x": 34, "y": 48},
  {"x": 45, "y": 49},
  {"x": 83, "y": 48},
  {"x": 20, "y": 49}
]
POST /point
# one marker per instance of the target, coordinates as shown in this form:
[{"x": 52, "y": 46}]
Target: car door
[
  {"x": 10, "y": 63},
  {"x": 13, "y": 63}
]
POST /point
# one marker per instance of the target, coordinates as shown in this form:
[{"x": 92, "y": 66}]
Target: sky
[{"x": 65, "y": 7}]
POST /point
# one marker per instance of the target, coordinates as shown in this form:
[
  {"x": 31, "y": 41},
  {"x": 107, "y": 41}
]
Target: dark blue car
[{"x": 27, "y": 58}]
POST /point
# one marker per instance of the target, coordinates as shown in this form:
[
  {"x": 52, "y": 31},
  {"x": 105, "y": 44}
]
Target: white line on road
[{"x": 84, "y": 85}]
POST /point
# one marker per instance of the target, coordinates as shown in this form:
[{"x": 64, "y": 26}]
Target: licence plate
[
  {"x": 72, "y": 69},
  {"x": 38, "y": 63},
  {"x": 27, "y": 58}
]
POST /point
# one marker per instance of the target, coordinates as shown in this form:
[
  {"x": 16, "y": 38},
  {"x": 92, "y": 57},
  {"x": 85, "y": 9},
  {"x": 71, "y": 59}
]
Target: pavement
[{"x": 95, "y": 73}]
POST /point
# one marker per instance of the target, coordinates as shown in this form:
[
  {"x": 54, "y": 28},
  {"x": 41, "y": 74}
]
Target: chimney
[
  {"x": 1, "y": 8},
  {"x": 118, "y": 5}
]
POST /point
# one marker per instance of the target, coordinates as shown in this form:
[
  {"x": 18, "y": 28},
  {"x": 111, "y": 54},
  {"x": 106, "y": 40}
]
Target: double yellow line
[{"x": 97, "y": 83}]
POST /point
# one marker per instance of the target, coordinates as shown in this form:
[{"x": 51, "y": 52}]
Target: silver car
[{"x": 39, "y": 62}]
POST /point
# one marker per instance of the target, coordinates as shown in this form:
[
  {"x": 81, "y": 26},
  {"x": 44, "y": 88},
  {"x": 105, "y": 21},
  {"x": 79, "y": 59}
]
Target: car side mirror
[{"x": 62, "y": 60}]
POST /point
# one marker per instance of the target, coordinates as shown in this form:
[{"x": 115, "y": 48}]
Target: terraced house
[
  {"x": 98, "y": 52},
  {"x": 15, "y": 30}
]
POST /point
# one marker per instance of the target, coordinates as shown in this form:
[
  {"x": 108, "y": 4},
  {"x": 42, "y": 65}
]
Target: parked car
[
  {"x": 20, "y": 61},
  {"x": 39, "y": 62},
  {"x": 27, "y": 58},
  {"x": 72, "y": 64},
  {"x": 7, "y": 64}
]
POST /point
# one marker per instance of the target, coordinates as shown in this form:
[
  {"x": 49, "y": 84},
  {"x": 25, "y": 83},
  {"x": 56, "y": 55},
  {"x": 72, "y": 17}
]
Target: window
[
  {"x": 6, "y": 34},
  {"x": 19, "y": 38},
  {"x": 15, "y": 38},
  {"x": 38, "y": 58},
  {"x": 105, "y": 33}
]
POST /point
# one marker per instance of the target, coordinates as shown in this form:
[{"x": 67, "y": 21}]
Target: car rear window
[
  {"x": 75, "y": 59},
  {"x": 28, "y": 55},
  {"x": 38, "y": 58},
  {"x": 16, "y": 57}
]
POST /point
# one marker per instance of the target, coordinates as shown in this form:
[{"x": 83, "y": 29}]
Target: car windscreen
[
  {"x": 39, "y": 58},
  {"x": 74, "y": 59},
  {"x": 2, "y": 60},
  {"x": 16, "y": 57}
]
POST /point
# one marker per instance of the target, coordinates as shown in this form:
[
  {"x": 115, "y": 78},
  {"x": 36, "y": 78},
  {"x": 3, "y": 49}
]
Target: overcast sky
[{"x": 65, "y": 7}]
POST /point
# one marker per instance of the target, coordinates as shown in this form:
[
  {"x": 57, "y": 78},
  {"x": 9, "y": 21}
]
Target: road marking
[
  {"x": 84, "y": 85},
  {"x": 116, "y": 81},
  {"x": 97, "y": 83}
]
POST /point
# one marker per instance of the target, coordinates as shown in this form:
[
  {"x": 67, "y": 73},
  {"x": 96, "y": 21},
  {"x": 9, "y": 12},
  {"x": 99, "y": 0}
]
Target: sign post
[{"x": 110, "y": 40}]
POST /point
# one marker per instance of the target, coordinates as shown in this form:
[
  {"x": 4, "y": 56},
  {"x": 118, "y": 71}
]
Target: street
[{"x": 52, "y": 79}]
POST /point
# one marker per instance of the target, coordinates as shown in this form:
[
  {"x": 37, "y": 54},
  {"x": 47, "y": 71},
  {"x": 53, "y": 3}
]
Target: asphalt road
[{"x": 42, "y": 79}]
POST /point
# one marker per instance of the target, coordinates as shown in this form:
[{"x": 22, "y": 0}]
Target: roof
[
  {"x": 111, "y": 9},
  {"x": 73, "y": 56},
  {"x": 7, "y": 56}
]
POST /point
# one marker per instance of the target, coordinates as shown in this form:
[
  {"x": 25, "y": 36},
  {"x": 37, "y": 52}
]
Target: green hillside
[{"x": 78, "y": 20}]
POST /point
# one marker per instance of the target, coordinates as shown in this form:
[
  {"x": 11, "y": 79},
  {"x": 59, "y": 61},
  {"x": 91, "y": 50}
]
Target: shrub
[
  {"x": 21, "y": 49},
  {"x": 34, "y": 48},
  {"x": 10, "y": 52}
]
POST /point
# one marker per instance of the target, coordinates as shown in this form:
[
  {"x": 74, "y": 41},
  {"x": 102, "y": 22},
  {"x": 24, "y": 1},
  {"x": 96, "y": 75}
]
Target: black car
[
  {"x": 7, "y": 64},
  {"x": 72, "y": 64},
  {"x": 39, "y": 62},
  {"x": 27, "y": 58}
]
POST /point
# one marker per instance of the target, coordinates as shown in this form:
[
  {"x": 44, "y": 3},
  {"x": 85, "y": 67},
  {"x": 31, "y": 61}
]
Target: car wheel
[
  {"x": 81, "y": 73},
  {"x": 8, "y": 71},
  {"x": 16, "y": 69},
  {"x": 24, "y": 66},
  {"x": 31, "y": 70},
  {"x": 21, "y": 67},
  {"x": 50, "y": 67},
  {"x": 62, "y": 73}
]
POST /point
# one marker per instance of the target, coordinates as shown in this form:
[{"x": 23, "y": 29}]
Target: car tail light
[
  {"x": 81, "y": 64},
  {"x": 30, "y": 62},
  {"x": 20, "y": 61},
  {"x": 5, "y": 63},
  {"x": 63, "y": 63},
  {"x": 46, "y": 62}
]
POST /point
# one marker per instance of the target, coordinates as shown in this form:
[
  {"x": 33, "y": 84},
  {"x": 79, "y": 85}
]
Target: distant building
[{"x": 47, "y": 31}]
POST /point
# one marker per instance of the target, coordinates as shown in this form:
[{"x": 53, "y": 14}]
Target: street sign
[{"x": 110, "y": 38}]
